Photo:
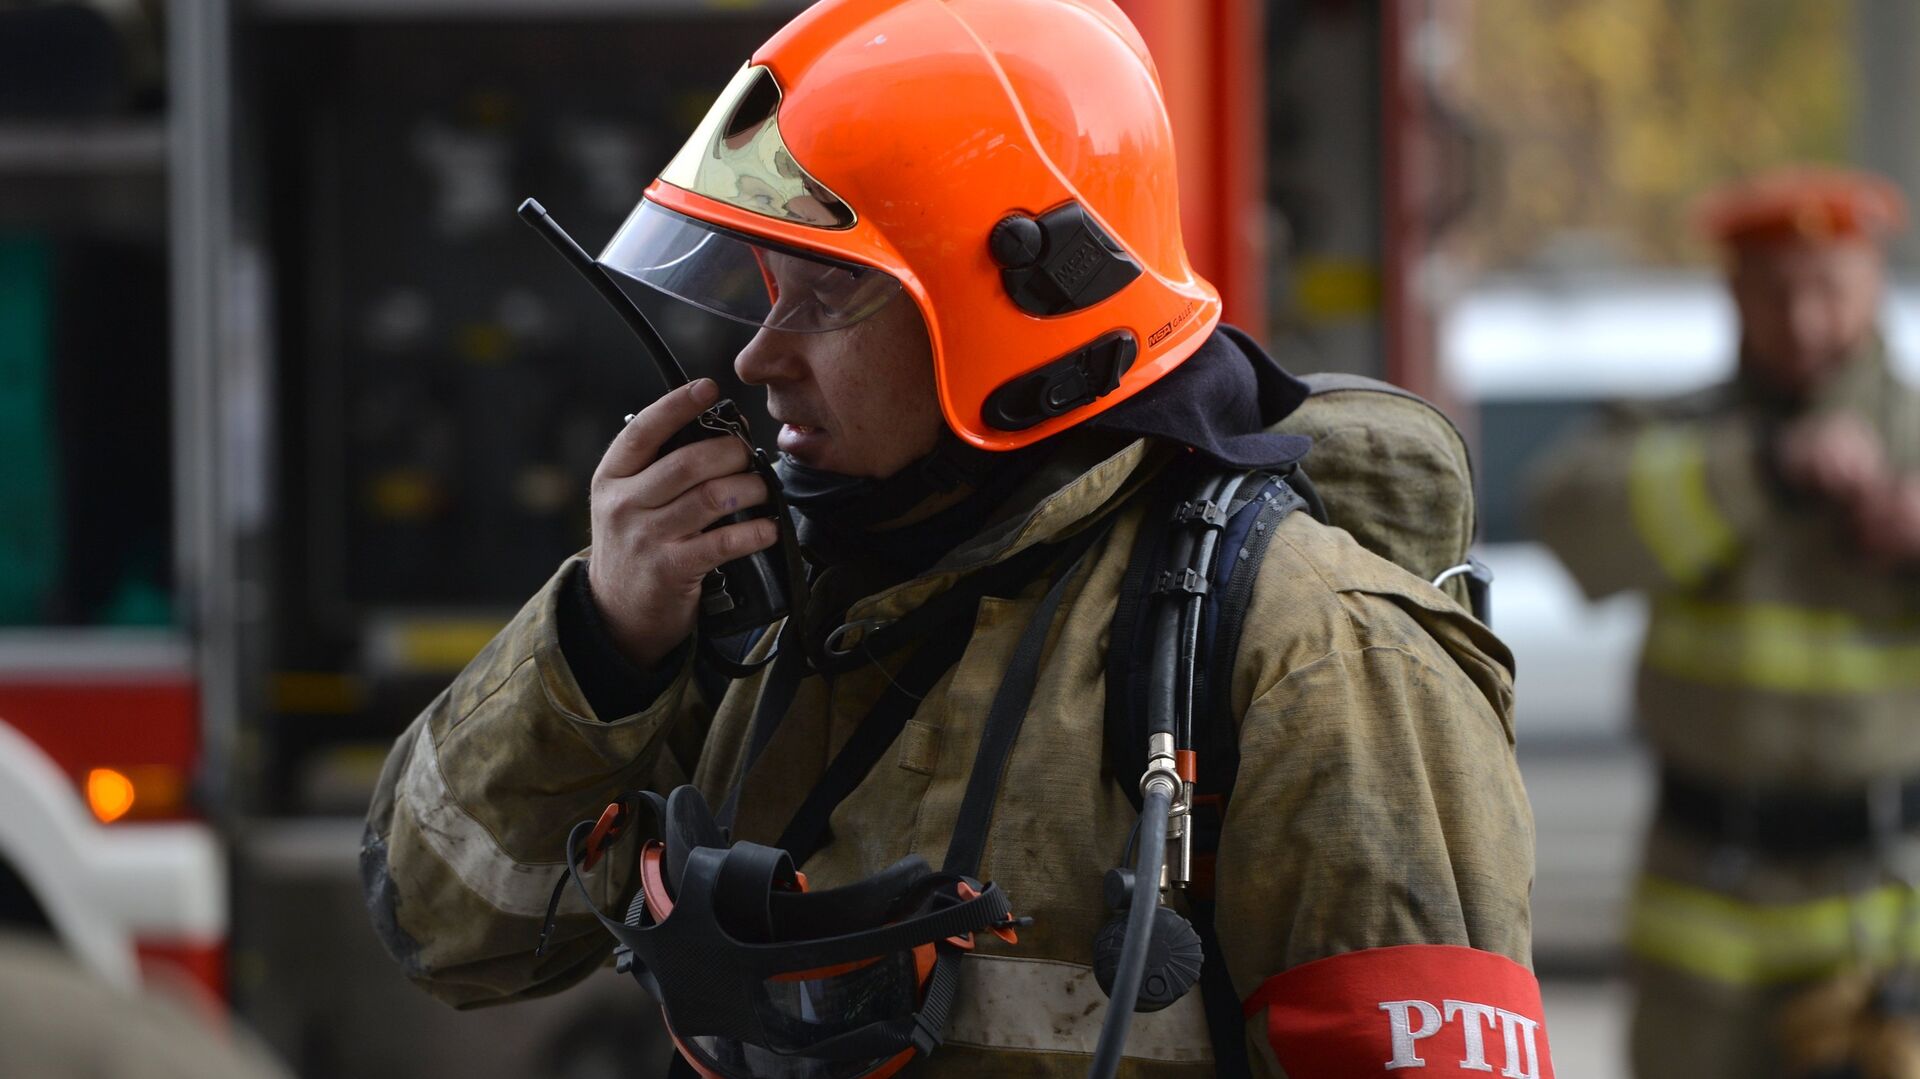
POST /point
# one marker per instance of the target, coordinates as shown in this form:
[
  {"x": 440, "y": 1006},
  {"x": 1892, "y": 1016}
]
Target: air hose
[
  {"x": 1170, "y": 725},
  {"x": 1155, "y": 805}
]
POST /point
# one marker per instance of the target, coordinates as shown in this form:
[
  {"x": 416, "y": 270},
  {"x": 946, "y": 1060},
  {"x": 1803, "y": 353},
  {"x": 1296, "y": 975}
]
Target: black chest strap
[
  {"x": 808, "y": 829},
  {"x": 1008, "y": 713},
  {"x": 939, "y": 628},
  {"x": 1005, "y": 717}
]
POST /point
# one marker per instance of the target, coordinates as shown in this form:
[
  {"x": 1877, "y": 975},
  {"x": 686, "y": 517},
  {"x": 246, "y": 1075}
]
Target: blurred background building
[{"x": 293, "y": 412}]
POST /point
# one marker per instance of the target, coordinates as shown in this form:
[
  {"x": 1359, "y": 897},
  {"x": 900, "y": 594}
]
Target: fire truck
[
  {"x": 114, "y": 590},
  {"x": 315, "y": 413}
]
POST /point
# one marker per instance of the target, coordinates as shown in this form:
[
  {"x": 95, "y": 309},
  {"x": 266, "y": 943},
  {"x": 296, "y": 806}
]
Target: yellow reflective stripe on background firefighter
[
  {"x": 1672, "y": 506},
  {"x": 1773, "y": 646},
  {"x": 1711, "y": 936}
]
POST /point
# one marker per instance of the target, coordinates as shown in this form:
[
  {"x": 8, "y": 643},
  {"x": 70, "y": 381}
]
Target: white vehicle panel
[
  {"x": 1605, "y": 338},
  {"x": 104, "y": 887}
]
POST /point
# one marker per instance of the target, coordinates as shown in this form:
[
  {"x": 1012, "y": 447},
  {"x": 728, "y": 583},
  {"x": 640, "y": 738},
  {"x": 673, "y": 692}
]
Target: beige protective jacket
[
  {"x": 1776, "y": 659},
  {"x": 1377, "y": 802},
  {"x": 1776, "y": 656}
]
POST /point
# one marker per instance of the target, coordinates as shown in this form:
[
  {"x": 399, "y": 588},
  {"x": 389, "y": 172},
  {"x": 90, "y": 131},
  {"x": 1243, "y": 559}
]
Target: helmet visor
[{"x": 742, "y": 278}]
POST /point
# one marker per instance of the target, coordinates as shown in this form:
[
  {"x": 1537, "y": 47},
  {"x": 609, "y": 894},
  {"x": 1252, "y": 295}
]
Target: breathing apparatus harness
[
  {"x": 688, "y": 943},
  {"x": 717, "y": 926}
]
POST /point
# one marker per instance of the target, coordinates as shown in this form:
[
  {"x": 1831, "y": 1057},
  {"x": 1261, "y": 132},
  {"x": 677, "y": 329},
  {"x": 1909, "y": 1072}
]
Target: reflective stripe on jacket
[{"x": 1714, "y": 937}]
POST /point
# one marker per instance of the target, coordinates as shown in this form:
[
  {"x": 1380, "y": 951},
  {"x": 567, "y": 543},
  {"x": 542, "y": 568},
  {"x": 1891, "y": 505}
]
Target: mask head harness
[{"x": 759, "y": 976}]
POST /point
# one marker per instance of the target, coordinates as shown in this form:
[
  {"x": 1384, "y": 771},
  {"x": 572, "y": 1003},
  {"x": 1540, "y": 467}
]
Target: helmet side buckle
[{"x": 1079, "y": 378}]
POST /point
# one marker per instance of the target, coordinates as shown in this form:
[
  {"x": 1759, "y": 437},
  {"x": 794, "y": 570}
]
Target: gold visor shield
[{"x": 737, "y": 156}]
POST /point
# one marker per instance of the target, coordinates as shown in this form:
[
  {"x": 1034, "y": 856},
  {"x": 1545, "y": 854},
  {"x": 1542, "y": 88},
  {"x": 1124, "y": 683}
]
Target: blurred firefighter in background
[{"x": 1775, "y": 522}]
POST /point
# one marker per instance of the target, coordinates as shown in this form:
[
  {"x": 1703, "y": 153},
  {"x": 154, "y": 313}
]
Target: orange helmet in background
[
  {"x": 1803, "y": 202},
  {"x": 1008, "y": 164}
]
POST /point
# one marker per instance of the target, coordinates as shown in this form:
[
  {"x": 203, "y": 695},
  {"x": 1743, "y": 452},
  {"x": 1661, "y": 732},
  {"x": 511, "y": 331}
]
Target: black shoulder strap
[
  {"x": 1131, "y": 637},
  {"x": 1243, "y": 551},
  {"x": 1250, "y": 527},
  {"x": 940, "y": 627}
]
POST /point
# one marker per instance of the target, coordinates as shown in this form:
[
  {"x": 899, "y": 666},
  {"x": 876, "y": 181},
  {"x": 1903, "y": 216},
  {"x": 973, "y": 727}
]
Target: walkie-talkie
[{"x": 748, "y": 593}]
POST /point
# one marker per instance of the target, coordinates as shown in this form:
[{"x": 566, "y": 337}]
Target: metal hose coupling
[
  {"x": 1163, "y": 772},
  {"x": 1163, "y": 775}
]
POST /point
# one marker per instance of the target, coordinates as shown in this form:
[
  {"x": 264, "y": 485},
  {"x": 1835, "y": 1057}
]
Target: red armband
[{"x": 1436, "y": 1007}]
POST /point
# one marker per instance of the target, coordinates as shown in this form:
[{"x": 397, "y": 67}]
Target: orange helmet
[
  {"x": 1803, "y": 202},
  {"x": 1007, "y": 163}
]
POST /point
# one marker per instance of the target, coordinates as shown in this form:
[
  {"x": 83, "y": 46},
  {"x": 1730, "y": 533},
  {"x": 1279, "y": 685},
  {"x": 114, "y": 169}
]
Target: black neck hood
[
  {"x": 842, "y": 518},
  {"x": 1218, "y": 404}
]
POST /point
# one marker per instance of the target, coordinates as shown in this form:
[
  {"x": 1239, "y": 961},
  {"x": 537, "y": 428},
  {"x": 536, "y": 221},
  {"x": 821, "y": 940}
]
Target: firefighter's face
[
  {"x": 858, "y": 400},
  {"x": 1805, "y": 307}
]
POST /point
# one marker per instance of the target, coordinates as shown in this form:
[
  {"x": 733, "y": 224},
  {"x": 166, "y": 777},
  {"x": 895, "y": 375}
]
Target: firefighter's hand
[
  {"x": 650, "y": 514},
  {"x": 1835, "y": 456},
  {"x": 1887, "y": 524}
]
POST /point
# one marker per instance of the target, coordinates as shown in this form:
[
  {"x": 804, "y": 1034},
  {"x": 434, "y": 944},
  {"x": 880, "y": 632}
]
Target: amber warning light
[
  {"x": 110, "y": 794},
  {"x": 142, "y": 792}
]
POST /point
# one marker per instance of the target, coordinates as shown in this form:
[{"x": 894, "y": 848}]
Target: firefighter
[
  {"x": 1774, "y": 522},
  {"x": 955, "y": 226}
]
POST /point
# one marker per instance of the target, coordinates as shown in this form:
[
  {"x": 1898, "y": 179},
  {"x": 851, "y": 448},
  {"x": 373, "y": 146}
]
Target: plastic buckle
[
  {"x": 1187, "y": 582},
  {"x": 1209, "y": 513},
  {"x": 1009, "y": 930},
  {"x": 963, "y": 892},
  {"x": 605, "y": 830}
]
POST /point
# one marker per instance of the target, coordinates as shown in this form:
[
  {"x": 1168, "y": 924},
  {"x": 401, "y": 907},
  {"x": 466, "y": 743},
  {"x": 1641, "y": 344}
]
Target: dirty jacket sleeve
[
  {"x": 468, "y": 825},
  {"x": 1378, "y": 803},
  {"x": 1654, "y": 499}
]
